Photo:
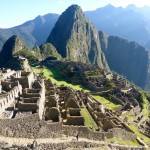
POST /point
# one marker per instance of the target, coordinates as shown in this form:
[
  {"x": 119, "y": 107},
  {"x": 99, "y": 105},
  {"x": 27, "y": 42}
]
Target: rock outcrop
[
  {"x": 12, "y": 46},
  {"x": 76, "y": 38},
  {"x": 127, "y": 58},
  {"x": 15, "y": 46},
  {"x": 48, "y": 50}
]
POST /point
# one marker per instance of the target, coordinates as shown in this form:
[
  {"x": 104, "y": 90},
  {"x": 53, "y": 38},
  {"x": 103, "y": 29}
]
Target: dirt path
[{"x": 25, "y": 141}]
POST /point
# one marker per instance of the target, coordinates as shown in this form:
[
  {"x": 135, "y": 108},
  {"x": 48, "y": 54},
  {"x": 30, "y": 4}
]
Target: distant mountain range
[
  {"x": 34, "y": 32},
  {"x": 132, "y": 23},
  {"x": 75, "y": 38}
]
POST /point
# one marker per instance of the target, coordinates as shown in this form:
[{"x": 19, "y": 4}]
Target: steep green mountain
[
  {"x": 32, "y": 32},
  {"x": 127, "y": 58},
  {"x": 76, "y": 38},
  {"x": 132, "y": 23},
  {"x": 15, "y": 46},
  {"x": 48, "y": 50}
]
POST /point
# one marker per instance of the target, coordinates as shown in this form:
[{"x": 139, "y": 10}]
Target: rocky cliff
[
  {"x": 12, "y": 46},
  {"x": 76, "y": 38},
  {"x": 15, "y": 46},
  {"x": 127, "y": 58}
]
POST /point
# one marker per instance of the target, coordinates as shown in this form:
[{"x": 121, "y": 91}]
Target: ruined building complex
[{"x": 31, "y": 107}]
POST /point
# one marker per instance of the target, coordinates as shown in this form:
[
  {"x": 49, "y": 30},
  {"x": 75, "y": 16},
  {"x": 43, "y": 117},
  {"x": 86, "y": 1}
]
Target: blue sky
[{"x": 15, "y": 12}]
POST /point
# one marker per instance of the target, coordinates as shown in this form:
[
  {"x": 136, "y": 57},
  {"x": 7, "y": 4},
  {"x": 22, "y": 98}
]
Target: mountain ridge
[
  {"x": 32, "y": 32},
  {"x": 77, "y": 39}
]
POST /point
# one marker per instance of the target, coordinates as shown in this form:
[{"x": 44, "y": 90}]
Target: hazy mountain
[
  {"x": 132, "y": 23},
  {"x": 76, "y": 38},
  {"x": 32, "y": 32},
  {"x": 127, "y": 58}
]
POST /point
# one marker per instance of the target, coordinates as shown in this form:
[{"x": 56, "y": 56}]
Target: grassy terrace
[
  {"x": 55, "y": 76},
  {"x": 89, "y": 122},
  {"x": 140, "y": 135},
  {"x": 107, "y": 102},
  {"x": 145, "y": 107},
  {"x": 123, "y": 142}
]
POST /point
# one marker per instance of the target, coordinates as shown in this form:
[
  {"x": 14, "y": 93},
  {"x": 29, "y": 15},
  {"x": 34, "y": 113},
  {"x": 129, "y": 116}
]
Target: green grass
[
  {"x": 107, "y": 102},
  {"x": 145, "y": 106},
  {"x": 130, "y": 117},
  {"x": 140, "y": 135},
  {"x": 55, "y": 76},
  {"x": 89, "y": 122},
  {"x": 94, "y": 74},
  {"x": 123, "y": 142}
]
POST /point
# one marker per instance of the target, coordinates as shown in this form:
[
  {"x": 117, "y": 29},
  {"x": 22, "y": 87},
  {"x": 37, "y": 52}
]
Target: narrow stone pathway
[{"x": 25, "y": 141}]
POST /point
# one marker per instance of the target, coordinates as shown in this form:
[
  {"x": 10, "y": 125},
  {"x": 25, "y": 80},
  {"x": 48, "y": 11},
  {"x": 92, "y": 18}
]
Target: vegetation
[
  {"x": 110, "y": 85},
  {"x": 75, "y": 45},
  {"x": 140, "y": 135},
  {"x": 92, "y": 73},
  {"x": 123, "y": 142},
  {"x": 29, "y": 55},
  {"x": 55, "y": 76},
  {"x": 89, "y": 122},
  {"x": 48, "y": 50},
  {"x": 107, "y": 102}
]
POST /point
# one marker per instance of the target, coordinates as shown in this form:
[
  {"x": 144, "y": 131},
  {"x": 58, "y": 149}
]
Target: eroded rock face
[
  {"x": 76, "y": 38},
  {"x": 127, "y": 58}
]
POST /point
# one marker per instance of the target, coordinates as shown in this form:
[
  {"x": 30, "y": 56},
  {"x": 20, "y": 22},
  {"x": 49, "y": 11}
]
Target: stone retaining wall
[
  {"x": 123, "y": 134},
  {"x": 32, "y": 127},
  {"x": 120, "y": 147},
  {"x": 29, "y": 127},
  {"x": 82, "y": 132}
]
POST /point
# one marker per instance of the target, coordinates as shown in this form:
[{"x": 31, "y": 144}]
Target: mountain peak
[
  {"x": 13, "y": 45},
  {"x": 74, "y": 7},
  {"x": 74, "y": 11},
  {"x": 76, "y": 38},
  {"x": 109, "y": 6}
]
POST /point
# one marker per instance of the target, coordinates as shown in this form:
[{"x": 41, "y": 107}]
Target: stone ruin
[{"x": 31, "y": 107}]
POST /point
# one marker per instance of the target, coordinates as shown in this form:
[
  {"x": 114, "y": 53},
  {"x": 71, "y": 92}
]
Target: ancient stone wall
[
  {"x": 69, "y": 145},
  {"x": 25, "y": 80},
  {"x": 123, "y": 134},
  {"x": 8, "y": 99},
  {"x": 74, "y": 144},
  {"x": 75, "y": 120},
  {"x": 116, "y": 99},
  {"x": 27, "y": 106},
  {"x": 120, "y": 147},
  {"x": 83, "y": 132},
  {"x": 29, "y": 127},
  {"x": 42, "y": 99}
]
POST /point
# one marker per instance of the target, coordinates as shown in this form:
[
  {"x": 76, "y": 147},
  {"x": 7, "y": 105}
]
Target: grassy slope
[
  {"x": 55, "y": 76},
  {"x": 106, "y": 102},
  {"x": 140, "y": 135},
  {"x": 89, "y": 122},
  {"x": 124, "y": 142}
]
